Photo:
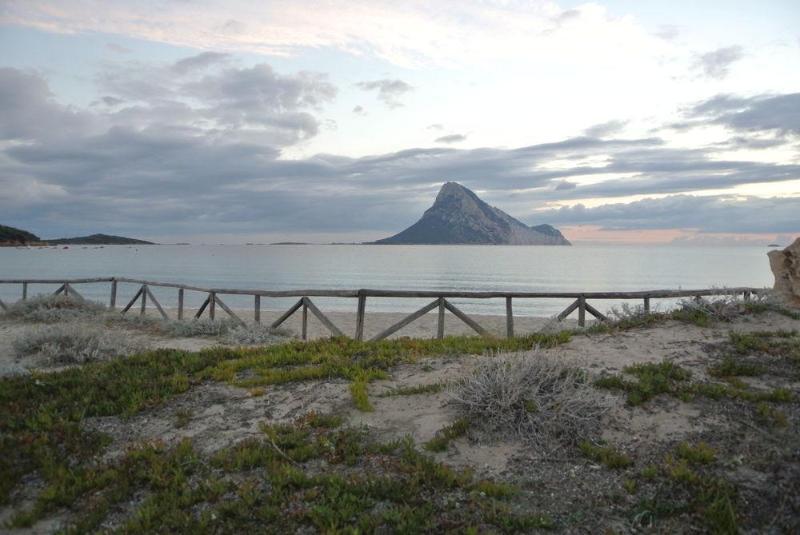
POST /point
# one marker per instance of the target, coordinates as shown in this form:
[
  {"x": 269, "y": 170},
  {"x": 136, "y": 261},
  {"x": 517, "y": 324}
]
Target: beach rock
[{"x": 785, "y": 266}]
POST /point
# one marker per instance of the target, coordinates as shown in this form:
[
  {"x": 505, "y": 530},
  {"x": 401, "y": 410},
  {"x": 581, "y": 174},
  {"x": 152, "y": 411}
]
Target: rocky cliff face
[
  {"x": 786, "y": 268},
  {"x": 458, "y": 216}
]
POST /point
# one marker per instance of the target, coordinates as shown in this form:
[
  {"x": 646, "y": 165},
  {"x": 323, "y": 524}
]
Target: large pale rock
[{"x": 786, "y": 268}]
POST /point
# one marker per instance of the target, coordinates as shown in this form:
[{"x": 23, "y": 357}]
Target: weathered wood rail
[{"x": 305, "y": 305}]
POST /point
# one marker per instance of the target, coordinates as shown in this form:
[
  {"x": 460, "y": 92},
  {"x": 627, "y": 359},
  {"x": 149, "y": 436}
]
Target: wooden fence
[{"x": 304, "y": 304}]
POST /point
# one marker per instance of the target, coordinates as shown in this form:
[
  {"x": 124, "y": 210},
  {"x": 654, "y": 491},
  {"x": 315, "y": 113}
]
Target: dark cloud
[
  {"x": 777, "y": 113},
  {"x": 451, "y": 138},
  {"x": 717, "y": 63},
  {"x": 605, "y": 129},
  {"x": 199, "y": 62},
  {"x": 111, "y": 101},
  {"x": 203, "y": 93},
  {"x": 564, "y": 185},
  {"x": 359, "y": 110},
  {"x": 389, "y": 90},
  {"x": 28, "y": 110},
  {"x": 709, "y": 214}
]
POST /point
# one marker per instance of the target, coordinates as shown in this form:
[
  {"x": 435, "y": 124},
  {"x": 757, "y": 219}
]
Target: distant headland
[{"x": 10, "y": 236}]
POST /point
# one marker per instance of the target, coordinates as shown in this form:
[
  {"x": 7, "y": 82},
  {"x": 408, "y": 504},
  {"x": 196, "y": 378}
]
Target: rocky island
[{"x": 458, "y": 216}]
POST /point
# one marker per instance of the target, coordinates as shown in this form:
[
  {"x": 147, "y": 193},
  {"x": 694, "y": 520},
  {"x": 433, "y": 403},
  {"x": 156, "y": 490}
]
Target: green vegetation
[
  {"x": 41, "y": 433},
  {"x": 777, "y": 343},
  {"x": 651, "y": 380},
  {"x": 700, "y": 453},
  {"x": 605, "y": 455},
  {"x": 263, "y": 484},
  {"x": 669, "y": 378},
  {"x": 432, "y": 388},
  {"x": 682, "y": 487},
  {"x": 732, "y": 367},
  {"x": 447, "y": 434},
  {"x": 701, "y": 313},
  {"x": 15, "y": 235}
]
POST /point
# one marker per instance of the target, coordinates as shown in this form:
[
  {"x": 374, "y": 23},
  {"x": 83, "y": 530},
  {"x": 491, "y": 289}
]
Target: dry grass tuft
[{"x": 533, "y": 396}]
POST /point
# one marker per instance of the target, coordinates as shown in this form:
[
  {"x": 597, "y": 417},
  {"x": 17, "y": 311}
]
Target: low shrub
[
  {"x": 534, "y": 396},
  {"x": 74, "y": 343},
  {"x": 255, "y": 334},
  {"x": 54, "y": 309}
]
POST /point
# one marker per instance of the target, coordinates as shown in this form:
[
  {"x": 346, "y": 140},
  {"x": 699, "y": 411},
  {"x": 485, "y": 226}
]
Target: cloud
[
  {"x": 451, "y": 138},
  {"x": 206, "y": 155},
  {"x": 199, "y": 62},
  {"x": 359, "y": 110},
  {"x": 766, "y": 113},
  {"x": 456, "y": 32},
  {"x": 435, "y": 126},
  {"x": 717, "y": 63},
  {"x": 564, "y": 185},
  {"x": 719, "y": 213},
  {"x": 29, "y": 111},
  {"x": 204, "y": 92},
  {"x": 389, "y": 90},
  {"x": 605, "y": 129}
]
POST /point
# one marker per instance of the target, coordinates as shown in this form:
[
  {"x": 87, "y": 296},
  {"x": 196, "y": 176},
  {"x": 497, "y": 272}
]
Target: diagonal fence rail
[{"x": 441, "y": 302}]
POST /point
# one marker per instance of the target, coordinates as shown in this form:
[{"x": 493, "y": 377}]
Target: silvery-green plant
[
  {"x": 75, "y": 343},
  {"x": 532, "y": 396},
  {"x": 54, "y": 309}
]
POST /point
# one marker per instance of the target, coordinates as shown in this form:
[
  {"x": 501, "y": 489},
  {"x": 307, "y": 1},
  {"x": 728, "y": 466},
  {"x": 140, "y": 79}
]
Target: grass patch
[
  {"x": 732, "y": 367},
  {"x": 700, "y": 453},
  {"x": 683, "y": 487},
  {"x": 358, "y": 390},
  {"x": 447, "y": 434},
  {"x": 669, "y": 378},
  {"x": 417, "y": 390},
  {"x": 605, "y": 455},
  {"x": 651, "y": 380},
  {"x": 771, "y": 416}
]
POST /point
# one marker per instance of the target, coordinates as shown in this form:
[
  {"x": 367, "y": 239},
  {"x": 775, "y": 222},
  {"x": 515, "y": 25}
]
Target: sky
[{"x": 242, "y": 121}]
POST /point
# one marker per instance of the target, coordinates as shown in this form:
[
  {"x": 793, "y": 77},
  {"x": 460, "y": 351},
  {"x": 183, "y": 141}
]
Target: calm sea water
[{"x": 281, "y": 267}]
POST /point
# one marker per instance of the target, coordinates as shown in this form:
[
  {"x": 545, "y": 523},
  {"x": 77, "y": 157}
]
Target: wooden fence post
[
  {"x": 582, "y": 311},
  {"x": 24, "y": 291},
  {"x": 144, "y": 300},
  {"x": 257, "y": 309},
  {"x": 212, "y": 304},
  {"x": 180, "y": 304},
  {"x": 440, "y": 324},
  {"x": 647, "y": 305},
  {"x": 305, "y": 320},
  {"x": 362, "y": 305},
  {"x": 509, "y": 319},
  {"x": 66, "y": 289},
  {"x": 112, "y": 303}
]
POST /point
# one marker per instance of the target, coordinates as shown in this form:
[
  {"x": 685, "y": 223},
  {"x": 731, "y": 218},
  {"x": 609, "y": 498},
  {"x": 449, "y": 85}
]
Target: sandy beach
[{"x": 375, "y": 322}]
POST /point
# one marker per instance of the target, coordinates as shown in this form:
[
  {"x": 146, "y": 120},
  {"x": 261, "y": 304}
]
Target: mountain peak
[{"x": 459, "y": 216}]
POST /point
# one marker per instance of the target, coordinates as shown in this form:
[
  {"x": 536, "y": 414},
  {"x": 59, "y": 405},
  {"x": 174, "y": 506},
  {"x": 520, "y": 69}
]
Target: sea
[{"x": 580, "y": 268}]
